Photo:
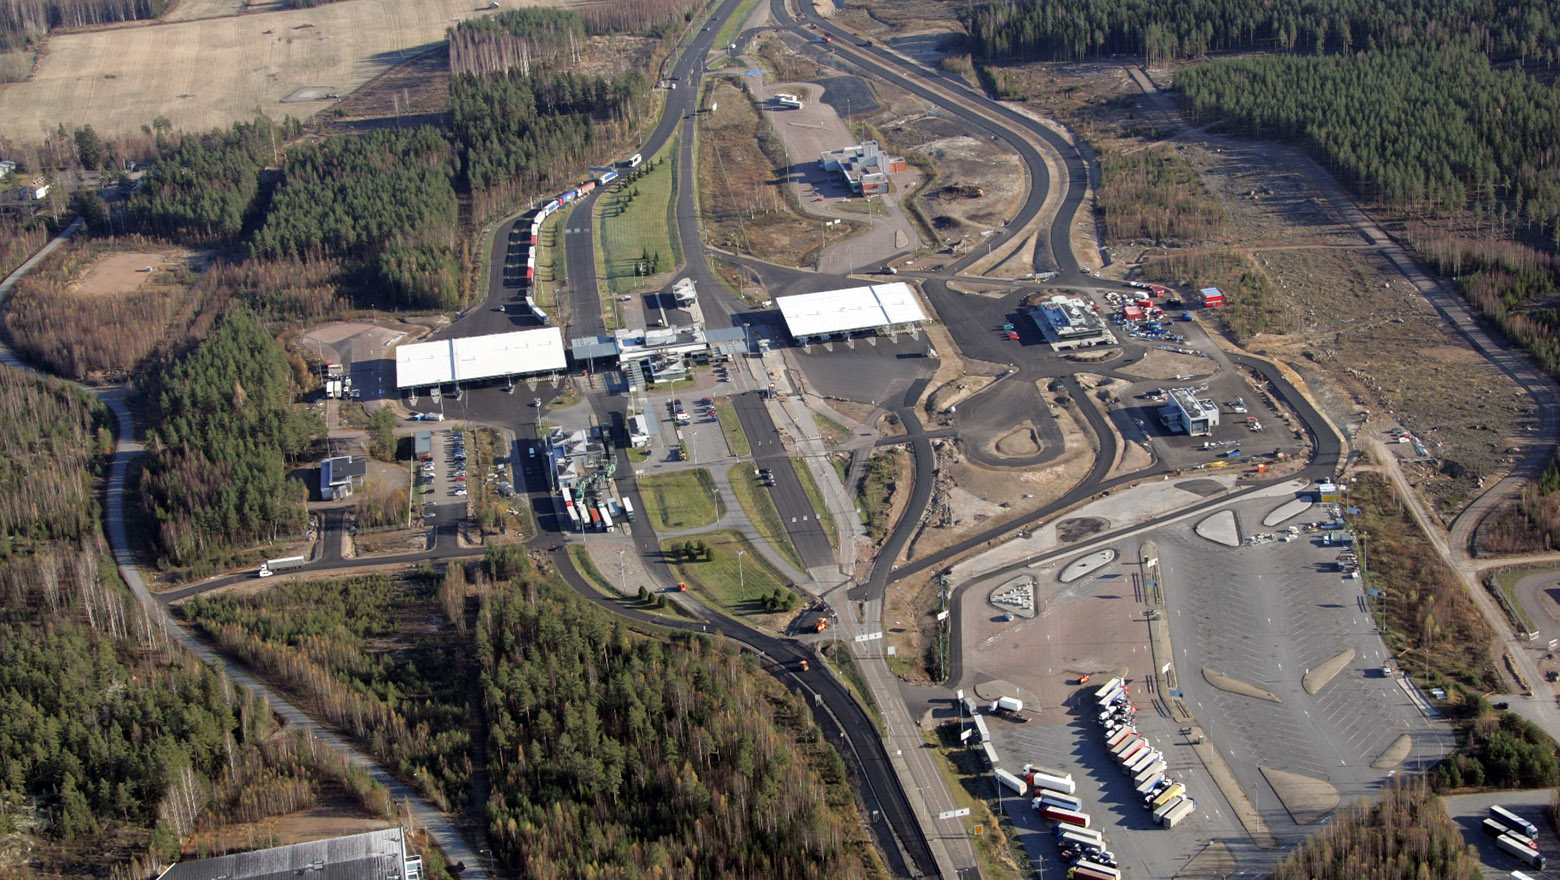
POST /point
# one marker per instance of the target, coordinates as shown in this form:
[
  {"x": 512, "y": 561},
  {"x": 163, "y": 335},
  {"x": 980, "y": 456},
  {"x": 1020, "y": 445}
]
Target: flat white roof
[
  {"x": 850, "y": 309},
  {"x": 468, "y": 359}
]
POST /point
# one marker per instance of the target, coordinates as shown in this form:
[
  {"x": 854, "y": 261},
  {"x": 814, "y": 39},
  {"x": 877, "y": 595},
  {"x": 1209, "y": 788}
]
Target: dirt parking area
[{"x": 120, "y": 273}]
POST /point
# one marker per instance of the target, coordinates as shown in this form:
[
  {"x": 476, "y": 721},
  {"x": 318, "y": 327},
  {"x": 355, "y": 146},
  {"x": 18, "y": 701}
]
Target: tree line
[
  {"x": 1406, "y": 835},
  {"x": 616, "y": 755},
  {"x": 55, "y": 436},
  {"x": 1021, "y": 30},
  {"x": 1155, "y": 195},
  {"x": 1430, "y": 130},
  {"x": 27, "y": 21},
  {"x": 223, "y": 436}
]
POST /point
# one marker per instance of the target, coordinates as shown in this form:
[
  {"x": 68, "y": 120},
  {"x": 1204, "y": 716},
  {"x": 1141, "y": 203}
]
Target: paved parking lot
[
  {"x": 1142, "y": 849},
  {"x": 1266, "y": 614},
  {"x": 1469, "y": 810}
]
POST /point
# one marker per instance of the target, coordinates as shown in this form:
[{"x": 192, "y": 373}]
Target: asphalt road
[{"x": 796, "y": 510}]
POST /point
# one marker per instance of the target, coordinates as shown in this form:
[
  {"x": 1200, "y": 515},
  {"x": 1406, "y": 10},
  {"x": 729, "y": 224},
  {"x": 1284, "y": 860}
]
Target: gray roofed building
[{"x": 374, "y": 855}]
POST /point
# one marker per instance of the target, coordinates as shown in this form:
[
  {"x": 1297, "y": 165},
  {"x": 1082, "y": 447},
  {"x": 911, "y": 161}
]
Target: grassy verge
[
  {"x": 552, "y": 257},
  {"x": 1503, "y": 584},
  {"x": 681, "y": 500},
  {"x": 733, "y": 26},
  {"x": 815, "y": 497},
  {"x": 1429, "y": 621},
  {"x": 838, "y": 655},
  {"x": 656, "y": 603},
  {"x": 964, "y": 772},
  {"x": 731, "y": 426},
  {"x": 718, "y": 579},
  {"x": 876, "y": 492},
  {"x": 832, "y": 432},
  {"x": 761, "y": 512},
  {"x": 636, "y": 225}
]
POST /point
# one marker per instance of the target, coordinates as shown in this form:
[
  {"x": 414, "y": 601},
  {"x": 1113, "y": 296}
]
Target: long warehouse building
[
  {"x": 839, "y": 314},
  {"x": 479, "y": 358}
]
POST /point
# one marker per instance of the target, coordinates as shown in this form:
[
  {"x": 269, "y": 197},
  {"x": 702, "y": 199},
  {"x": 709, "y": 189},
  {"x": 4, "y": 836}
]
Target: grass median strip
[
  {"x": 762, "y": 513},
  {"x": 815, "y": 498},
  {"x": 636, "y": 225},
  {"x": 731, "y": 577},
  {"x": 731, "y": 426},
  {"x": 680, "y": 500}
]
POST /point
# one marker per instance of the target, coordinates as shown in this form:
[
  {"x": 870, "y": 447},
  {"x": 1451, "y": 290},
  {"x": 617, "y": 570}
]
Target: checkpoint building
[
  {"x": 884, "y": 309},
  {"x": 474, "y": 359}
]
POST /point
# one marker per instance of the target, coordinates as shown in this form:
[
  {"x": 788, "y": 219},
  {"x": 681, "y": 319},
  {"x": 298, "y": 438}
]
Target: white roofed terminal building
[{"x": 474, "y": 359}]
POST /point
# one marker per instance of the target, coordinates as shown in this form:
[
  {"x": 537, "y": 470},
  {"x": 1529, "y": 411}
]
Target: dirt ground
[
  {"x": 212, "y": 72},
  {"x": 333, "y": 816},
  {"x": 739, "y": 192},
  {"x": 120, "y": 273},
  {"x": 970, "y": 497}
]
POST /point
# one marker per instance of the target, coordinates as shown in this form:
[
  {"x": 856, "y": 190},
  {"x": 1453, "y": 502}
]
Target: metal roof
[
  {"x": 375, "y": 855},
  {"x": 850, "y": 309},
  {"x": 587, "y": 347},
  {"x": 471, "y": 358}
]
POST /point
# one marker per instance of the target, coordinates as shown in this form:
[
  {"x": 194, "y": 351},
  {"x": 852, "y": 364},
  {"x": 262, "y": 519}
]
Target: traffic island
[
  {"x": 1286, "y": 511},
  {"x": 1317, "y": 677},
  {"x": 1017, "y": 596},
  {"x": 1231, "y": 684},
  {"x": 1305, "y": 797},
  {"x": 1394, "y": 754},
  {"x": 1220, "y": 529},
  {"x": 1087, "y": 565}
]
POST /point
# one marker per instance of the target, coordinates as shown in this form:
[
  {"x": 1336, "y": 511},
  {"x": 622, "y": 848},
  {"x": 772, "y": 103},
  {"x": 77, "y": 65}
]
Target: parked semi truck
[
  {"x": 1008, "y": 780},
  {"x": 1143, "y": 762},
  {"x": 1006, "y": 704},
  {"x": 1521, "y": 852},
  {"x": 1513, "y": 821},
  {"x": 285, "y": 563},
  {"x": 1167, "y": 796},
  {"x": 1091, "y": 871},
  {"x": 1056, "y": 799},
  {"x": 1493, "y": 828},
  {"x": 1055, "y": 782},
  {"x": 1151, "y": 783},
  {"x": 1060, "y": 814}
]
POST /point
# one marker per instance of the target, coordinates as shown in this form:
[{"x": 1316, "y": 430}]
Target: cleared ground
[
  {"x": 209, "y": 73},
  {"x": 119, "y": 273}
]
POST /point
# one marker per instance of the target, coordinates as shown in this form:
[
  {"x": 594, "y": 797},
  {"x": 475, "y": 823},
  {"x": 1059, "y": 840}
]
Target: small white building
[
  {"x": 6, "y": 167},
  {"x": 38, "y": 189},
  {"x": 1189, "y": 414}
]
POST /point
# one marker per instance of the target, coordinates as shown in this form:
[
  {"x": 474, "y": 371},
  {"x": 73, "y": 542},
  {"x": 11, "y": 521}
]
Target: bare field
[
  {"x": 211, "y": 72},
  {"x": 119, "y": 273}
]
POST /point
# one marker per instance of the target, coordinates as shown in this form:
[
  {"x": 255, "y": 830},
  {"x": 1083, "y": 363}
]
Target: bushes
[{"x": 1501, "y": 750}]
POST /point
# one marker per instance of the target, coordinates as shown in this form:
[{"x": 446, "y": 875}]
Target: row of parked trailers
[
  {"x": 1138, "y": 758},
  {"x": 1514, "y": 836},
  {"x": 595, "y": 513}
]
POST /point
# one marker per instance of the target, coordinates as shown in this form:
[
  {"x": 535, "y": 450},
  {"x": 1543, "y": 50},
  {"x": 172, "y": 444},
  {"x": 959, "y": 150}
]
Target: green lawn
[
  {"x": 634, "y": 225},
  {"x": 718, "y": 581},
  {"x": 681, "y": 500},
  {"x": 593, "y": 576},
  {"x": 731, "y": 426},
  {"x": 733, "y": 26},
  {"x": 832, "y": 432},
  {"x": 825, "y": 518},
  {"x": 761, "y": 512}
]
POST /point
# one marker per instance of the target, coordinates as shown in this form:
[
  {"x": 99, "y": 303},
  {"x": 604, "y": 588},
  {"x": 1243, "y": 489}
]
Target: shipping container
[
  {"x": 1143, "y": 762},
  {"x": 1116, "y": 737},
  {"x": 1062, "y": 783},
  {"x": 1164, "y": 809},
  {"x": 1167, "y": 796},
  {"x": 1008, "y": 780}
]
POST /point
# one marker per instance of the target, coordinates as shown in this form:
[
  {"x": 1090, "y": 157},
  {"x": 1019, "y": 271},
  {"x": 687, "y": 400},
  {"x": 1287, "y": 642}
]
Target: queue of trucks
[
  {"x": 1161, "y": 794},
  {"x": 530, "y": 237}
]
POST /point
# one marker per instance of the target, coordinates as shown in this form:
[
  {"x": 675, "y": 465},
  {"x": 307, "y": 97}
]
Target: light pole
[
  {"x": 741, "y": 581},
  {"x": 622, "y": 581}
]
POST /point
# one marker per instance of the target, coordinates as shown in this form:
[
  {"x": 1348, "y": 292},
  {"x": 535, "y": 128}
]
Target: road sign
[
  {"x": 954, "y": 814},
  {"x": 867, "y": 637}
]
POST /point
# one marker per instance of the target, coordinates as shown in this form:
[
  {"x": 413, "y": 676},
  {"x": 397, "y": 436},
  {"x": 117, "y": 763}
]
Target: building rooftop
[
  {"x": 1189, "y": 403},
  {"x": 472, "y": 358},
  {"x": 850, "y": 309},
  {"x": 375, "y": 855}
]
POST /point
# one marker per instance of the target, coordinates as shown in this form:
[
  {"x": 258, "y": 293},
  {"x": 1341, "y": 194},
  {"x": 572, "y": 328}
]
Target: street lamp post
[
  {"x": 741, "y": 581},
  {"x": 823, "y": 239},
  {"x": 622, "y": 581}
]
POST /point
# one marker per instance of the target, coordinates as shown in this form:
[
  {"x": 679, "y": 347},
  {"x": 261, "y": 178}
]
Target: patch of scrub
[{"x": 1234, "y": 685}]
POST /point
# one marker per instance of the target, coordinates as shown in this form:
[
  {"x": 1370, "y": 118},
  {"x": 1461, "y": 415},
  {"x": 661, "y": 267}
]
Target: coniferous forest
[
  {"x": 222, "y": 438},
  {"x": 615, "y": 755}
]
